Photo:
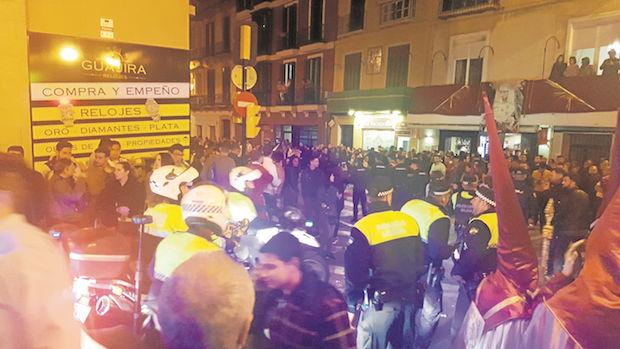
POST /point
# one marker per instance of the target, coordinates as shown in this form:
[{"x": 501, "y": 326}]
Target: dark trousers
[
  {"x": 559, "y": 244},
  {"x": 392, "y": 327},
  {"x": 271, "y": 203},
  {"x": 359, "y": 196}
]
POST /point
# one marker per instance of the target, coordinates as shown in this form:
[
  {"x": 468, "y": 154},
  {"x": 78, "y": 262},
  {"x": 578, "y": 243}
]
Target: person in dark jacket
[
  {"x": 313, "y": 183},
  {"x": 122, "y": 198},
  {"x": 67, "y": 193},
  {"x": 290, "y": 189},
  {"x": 218, "y": 166},
  {"x": 360, "y": 179},
  {"x": 571, "y": 221}
]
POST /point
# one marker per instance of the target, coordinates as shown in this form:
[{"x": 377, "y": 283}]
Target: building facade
[
  {"x": 212, "y": 32},
  {"x": 410, "y": 73},
  {"x": 294, "y": 63}
]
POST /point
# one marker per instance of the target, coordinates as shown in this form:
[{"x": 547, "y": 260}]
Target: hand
[
  {"x": 570, "y": 258},
  {"x": 458, "y": 279},
  {"x": 123, "y": 211}
]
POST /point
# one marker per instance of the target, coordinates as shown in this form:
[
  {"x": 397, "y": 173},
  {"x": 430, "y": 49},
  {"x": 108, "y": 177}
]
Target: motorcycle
[
  {"x": 104, "y": 289},
  {"x": 293, "y": 222}
]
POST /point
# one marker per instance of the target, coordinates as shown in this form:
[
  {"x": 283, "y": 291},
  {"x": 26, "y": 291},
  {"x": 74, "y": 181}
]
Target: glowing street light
[{"x": 69, "y": 54}]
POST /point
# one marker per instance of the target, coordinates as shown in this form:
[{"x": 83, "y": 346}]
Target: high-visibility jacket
[
  {"x": 490, "y": 220},
  {"x": 167, "y": 219},
  {"x": 424, "y": 214},
  {"x": 396, "y": 255},
  {"x": 176, "y": 249}
]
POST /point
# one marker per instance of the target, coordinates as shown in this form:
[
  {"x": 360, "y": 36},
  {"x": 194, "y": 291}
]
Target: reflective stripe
[
  {"x": 98, "y": 257},
  {"x": 501, "y": 305},
  {"x": 424, "y": 214},
  {"x": 490, "y": 220},
  {"x": 381, "y": 227}
]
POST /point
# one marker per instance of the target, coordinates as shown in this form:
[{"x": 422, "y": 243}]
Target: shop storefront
[{"x": 370, "y": 118}]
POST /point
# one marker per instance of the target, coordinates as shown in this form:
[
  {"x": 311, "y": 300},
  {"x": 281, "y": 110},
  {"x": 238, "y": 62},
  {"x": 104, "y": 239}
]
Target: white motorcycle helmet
[
  {"x": 242, "y": 177},
  {"x": 206, "y": 206},
  {"x": 166, "y": 180}
]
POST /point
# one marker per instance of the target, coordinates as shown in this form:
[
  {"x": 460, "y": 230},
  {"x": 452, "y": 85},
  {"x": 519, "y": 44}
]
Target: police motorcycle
[
  {"x": 257, "y": 233},
  {"x": 105, "y": 270}
]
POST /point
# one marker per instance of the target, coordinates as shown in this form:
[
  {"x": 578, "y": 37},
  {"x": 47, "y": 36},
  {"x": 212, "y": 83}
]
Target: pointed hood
[
  {"x": 517, "y": 264},
  {"x": 614, "y": 181},
  {"x": 589, "y": 308},
  {"x": 516, "y": 257}
]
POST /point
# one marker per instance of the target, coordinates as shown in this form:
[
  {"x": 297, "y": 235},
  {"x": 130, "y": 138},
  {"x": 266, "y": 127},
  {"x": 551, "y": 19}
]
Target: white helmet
[
  {"x": 166, "y": 180},
  {"x": 241, "y": 208},
  {"x": 240, "y": 176},
  {"x": 206, "y": 205}
]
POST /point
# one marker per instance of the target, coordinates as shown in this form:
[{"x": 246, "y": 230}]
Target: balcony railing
[{"x": 450, "y": 8}]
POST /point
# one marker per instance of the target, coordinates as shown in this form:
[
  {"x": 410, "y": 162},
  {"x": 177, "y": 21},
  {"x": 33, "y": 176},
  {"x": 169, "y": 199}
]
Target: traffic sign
[
  {"x": 242, "y": 101},
  {"x": 236, "y": 75},
  {"x": 252, "y": 121}
]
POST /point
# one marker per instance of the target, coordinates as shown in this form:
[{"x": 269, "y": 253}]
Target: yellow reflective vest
[
  {"x": 490, "y": 220},
  {"x": 382, "y": 227},
  {"x": 176, "y": 249},
  {"x": 424, "y": 214},
  {"x": 167, "y": 219}
]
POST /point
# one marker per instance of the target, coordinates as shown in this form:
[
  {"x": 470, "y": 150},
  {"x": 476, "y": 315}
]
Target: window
[
  {"x": 262, "y": 89},
  {"x": 466, "y": 58},
  {"x": 397, "y": 9},
  {"x": 210, "y": 39},
  {"x": 356, "y": 15},
  {"x": 352, "y": 68},
  {"x": 593, "y": 39},
  {"x": 289, "y": 27},
  {"x": 468, "y": 71},
  {"x": 211, "y": 86},
  {"x": 308, "y": 135},
  {"x": 264, "y": 22},
  {"x": 283, "y": 132},
  {"x": 397, "y": 66},
  {"x": 312, "y": 80},
  {"x": 226, "y": 86},
  {"x": 244, "y": 5},
  {"x": 452, "y": 5},
  {"x": 226, "y": 35},
  {"x": 286, "y": 88},
  {"x": 226, "y": 129},
  {"x": 315, "y": 20}
]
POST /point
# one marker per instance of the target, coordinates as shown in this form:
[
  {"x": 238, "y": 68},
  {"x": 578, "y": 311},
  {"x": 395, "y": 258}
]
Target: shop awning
[{"x": 370, "y": 100}]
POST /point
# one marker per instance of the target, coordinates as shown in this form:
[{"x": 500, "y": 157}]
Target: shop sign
[{"x": 85, "y": 89}]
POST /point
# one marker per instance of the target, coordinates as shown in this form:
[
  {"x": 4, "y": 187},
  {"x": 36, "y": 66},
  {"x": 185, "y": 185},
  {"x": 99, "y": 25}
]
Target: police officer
[
  {"x": 477, "y": 256},
  {"x": 213, "y": 216},
  {"x": 432, "y": 218},
  {"x": 360, "y": 179},
  {"x": 525, "y": 194},
  {"x": 417, "y": 179},
  {"x": 402, "y": 191},
  {"x": 462, "y": 206},
  {"x": 382, "y": 266}
]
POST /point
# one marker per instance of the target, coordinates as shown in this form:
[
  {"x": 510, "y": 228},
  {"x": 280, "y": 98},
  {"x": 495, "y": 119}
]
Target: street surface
[{"x": 450, "y": 287}]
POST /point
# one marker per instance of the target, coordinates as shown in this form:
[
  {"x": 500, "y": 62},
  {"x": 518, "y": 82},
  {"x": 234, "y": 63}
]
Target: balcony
[
  {"x": 248, "y": 4},
  {"x": 455, "y": 8}
]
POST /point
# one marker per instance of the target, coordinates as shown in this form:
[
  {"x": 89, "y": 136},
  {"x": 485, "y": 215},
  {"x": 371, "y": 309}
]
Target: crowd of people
[{"x": 404, "y": 206}]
